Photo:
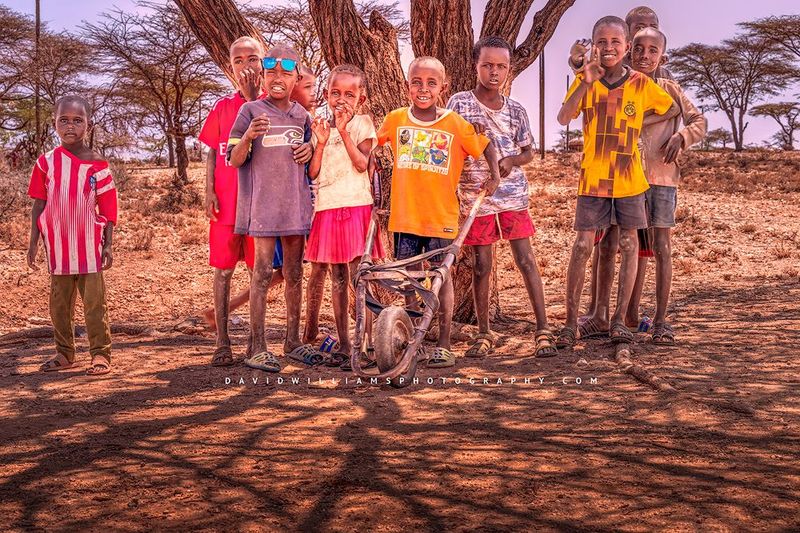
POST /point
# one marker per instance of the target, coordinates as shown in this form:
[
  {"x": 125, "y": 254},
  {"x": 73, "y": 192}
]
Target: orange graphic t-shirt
[
  {"x": 612, "y": 121},
  {"x": 428, "y": 159}
]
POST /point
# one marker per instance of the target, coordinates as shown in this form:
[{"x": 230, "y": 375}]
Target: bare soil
[{"x": 165, "y": 442}]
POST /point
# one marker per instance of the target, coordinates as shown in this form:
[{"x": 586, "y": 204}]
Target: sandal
[
  {"x": 306, "y": 354},
  {"x": 59, "y": 362},
  {"x": 100, "y": 365},
  {"x": 620, "y": 334},
  {"x": 265, "y": 361},
  {"x": 482, "y": 346},
  {"x": 223, "y": 356},
  {"x": 441, "y": 358},
  {"x": 566, "y": 337},
  {"x": 663, "y": 334},
  {"x": 590, "y": 329},
  {"x": 336, "y": 359},
  {"x": 545, "y": 343}
]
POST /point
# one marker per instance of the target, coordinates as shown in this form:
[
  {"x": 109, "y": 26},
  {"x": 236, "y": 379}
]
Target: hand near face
[{"x": 321, "y": 129}]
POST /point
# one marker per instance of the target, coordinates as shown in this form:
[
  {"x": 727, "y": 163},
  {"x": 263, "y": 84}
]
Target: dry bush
[
  {"x": 194, "y": 234},
  {"x": 781, "y": 250},
  {"x": 142, "y": 241},
  {"x": 748, "y": 228}
]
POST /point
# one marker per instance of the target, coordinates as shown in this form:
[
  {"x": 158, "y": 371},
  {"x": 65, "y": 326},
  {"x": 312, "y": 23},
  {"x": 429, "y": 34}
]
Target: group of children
[{"x": 287, "y": 184}]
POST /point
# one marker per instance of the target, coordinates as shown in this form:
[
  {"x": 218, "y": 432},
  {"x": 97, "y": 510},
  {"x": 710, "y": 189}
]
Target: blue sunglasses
[{"x": 286, "y": 64}]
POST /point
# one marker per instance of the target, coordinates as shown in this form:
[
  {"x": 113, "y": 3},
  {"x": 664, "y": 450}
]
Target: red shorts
[
  {"x": 226, "y": 248},
  {"x": 508, "y": 225}
]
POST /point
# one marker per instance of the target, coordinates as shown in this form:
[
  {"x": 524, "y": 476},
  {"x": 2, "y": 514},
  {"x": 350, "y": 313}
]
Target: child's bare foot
[
  {"x": 632, "y": 321},
  {"x": 208, "y": 317}
]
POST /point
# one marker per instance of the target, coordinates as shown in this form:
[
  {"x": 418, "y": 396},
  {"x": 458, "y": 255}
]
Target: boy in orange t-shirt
[{"x": 430, "y": 145}]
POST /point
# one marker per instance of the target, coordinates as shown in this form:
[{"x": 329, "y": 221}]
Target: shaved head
[{"x": 430, "y": 62}]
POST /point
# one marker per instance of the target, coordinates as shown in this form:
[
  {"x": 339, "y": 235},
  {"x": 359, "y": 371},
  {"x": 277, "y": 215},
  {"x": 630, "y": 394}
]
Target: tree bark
[
  {"x": 170, "y": 151},
  {"x": 443, "y": 29},
  {"x": 217, "y": 23},
  {"x": 373, "y": 48}
]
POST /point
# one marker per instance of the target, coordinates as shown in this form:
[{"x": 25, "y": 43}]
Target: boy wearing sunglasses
[
  {"x": 269, "y": 144},
  {"x": 226, "y": 248}
]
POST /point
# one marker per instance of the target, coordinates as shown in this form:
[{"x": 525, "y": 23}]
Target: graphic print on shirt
[
  {"x": 282, "y": 136},
  {"x": 424, "y": 149}
]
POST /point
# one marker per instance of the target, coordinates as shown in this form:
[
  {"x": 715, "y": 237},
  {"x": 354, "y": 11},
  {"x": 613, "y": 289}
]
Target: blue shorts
[
  {"x": 408, "y": 245},
  {"x": 661, "y": 203},
  {"x": 277, "y": 260}
]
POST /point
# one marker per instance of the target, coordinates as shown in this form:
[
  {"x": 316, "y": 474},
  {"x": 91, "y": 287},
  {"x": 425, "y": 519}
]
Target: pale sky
[{"x": 710, "y": 22}]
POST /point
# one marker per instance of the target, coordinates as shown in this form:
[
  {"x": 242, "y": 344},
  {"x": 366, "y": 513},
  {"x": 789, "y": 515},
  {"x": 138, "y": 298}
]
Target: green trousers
[{"x": 63, "y": 292}]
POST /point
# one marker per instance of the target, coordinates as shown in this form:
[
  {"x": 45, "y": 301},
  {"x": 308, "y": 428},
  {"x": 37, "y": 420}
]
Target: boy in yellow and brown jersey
[{"x": 616, "y": 102}]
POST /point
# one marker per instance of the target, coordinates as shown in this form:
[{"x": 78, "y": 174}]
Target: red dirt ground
[{"x": 165, "y": 443}]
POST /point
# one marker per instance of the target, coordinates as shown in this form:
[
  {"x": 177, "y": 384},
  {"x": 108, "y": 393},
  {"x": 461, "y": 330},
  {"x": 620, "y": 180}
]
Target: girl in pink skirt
[{"x": 344, "y": 201}]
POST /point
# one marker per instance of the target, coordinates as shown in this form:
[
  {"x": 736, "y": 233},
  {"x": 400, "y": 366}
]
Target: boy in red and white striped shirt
[{"x": 74, "y": 213}]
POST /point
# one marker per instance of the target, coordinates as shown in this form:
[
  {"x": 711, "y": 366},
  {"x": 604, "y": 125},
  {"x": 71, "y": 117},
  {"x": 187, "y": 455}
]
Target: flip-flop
[
  {"x": 100, "y": 365},
  {"x": 545, "y": 344},
  {"x": 59, "y": 362},
  {"x": 441, "y": 358},
  {"x": 663, "y": 334},
  {"x": 620, "y": 333},
  {"x": 482, "y": 346},
  {"x": 590, "y": 329},
  {"x": 223, "y": 356},
  {"x": 566, "y": 337},
  {"x": 306, "y": 354},
  {"x": 265, "y": 361}
]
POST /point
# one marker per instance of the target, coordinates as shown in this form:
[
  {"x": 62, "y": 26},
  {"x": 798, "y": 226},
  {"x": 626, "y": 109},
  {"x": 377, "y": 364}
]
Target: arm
[
  {"x": 258, "y": 126},
  {"x": 108, "y": 234},
  {"x": 359, "y": 155},
  {"x": 491, "y": 184},
  {"x": 33, "y": 246},
  {"x": 322, "y": 130},
  {"x": 570, "y": 108},
  {"x": 212, "y": 202},
  {"x": 652, "y": 118},
  {"x": 519, "y": 160}
]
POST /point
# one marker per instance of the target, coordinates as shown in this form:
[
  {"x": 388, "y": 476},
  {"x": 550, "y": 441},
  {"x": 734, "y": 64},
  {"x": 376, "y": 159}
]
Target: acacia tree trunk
[
  {"x": 440, "y": 28},
  {"x": 217, "y": 23},
  {"x": 170, "y": 150}
]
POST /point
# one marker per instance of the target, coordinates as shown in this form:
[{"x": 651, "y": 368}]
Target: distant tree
[
  {"x": 161, "y": 71},
  {"x": 734, "y": 75},
  {"x": 787, "y": 115},
  {"x": 574, "y": 136},
  {"x": 783, "y": 31},
  {"x": 719, "y": 136}
]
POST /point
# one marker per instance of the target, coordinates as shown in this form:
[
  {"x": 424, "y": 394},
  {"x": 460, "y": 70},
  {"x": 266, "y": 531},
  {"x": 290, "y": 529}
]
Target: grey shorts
[
  {"x": 594, "y": 213},
  {"x": 661, "y": 203}
]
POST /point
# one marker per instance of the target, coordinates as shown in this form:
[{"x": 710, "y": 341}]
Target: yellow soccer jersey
[{"x": 612, "y": 121}]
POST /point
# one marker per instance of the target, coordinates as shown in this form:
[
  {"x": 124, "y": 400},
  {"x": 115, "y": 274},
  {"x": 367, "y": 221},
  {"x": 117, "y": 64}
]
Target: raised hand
[
  {"x": 258, "y": 126},
  {"x": 342, "y": 116},
  {"x": 578, "y": 51},
  {"x": 593, "y": 70},
  {"x": 250, "y": 84},
  {"x": 321, "y": 129}
]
